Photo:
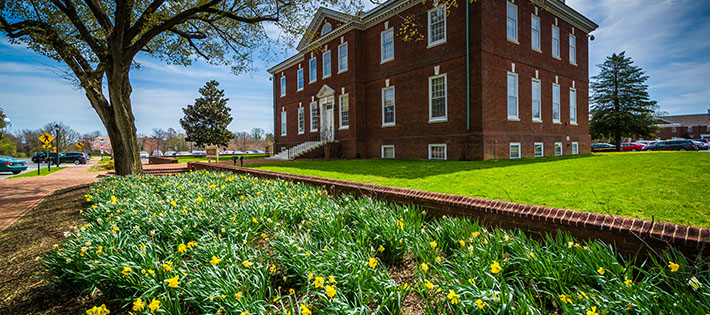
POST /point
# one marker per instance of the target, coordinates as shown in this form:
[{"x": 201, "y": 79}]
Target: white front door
[{"x": 327, "y": 130}]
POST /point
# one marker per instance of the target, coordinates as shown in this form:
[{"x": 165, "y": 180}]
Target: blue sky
[{"x": 667, "y": 38}]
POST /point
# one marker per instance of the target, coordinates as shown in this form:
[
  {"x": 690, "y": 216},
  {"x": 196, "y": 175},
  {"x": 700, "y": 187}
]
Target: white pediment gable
[
  {"x": 313, "y": 32},
  {"x": 325, "y": 91}
]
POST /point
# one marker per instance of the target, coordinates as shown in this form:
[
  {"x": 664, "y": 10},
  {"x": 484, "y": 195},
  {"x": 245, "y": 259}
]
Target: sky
[{"x": 667, "y": 38}]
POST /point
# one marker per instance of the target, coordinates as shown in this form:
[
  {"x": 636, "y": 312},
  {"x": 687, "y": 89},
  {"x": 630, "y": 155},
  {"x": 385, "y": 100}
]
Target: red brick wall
[{"x": 697, "y": 132}]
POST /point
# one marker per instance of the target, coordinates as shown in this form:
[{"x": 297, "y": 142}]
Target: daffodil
[
  {"x": 433, "y": 244},
  {"x": 138, "y": 305},
  {"x": 381, "y": 249},
  {"x": 182, "y": 248},
  {"x": 191, "y": 244},
  {"x": 425, "y": 268},
  {"x": 98, "y": 310},
  {"x": 628, "y": 282},
  {"x": 305, "y": 310},
  {"x": 429, "y": 285},
  {"x": 126, "y": 270},
  {"x": 318, "y": 282},
  {"x": 154, "y": 305},
  {"x": 330, "y": 291},
  {"x": 495, "y": 267},
  {"x": 480, "y": 304},
  {"x": 673, "y": 266},
  {"x": 215, "y": 260},
  {"x": 246, "y": 264},
  {"x": 600, "y": 271},
  {"x": 593, "y": 311},
  {"x": 331, "y": 279},
  {"x": 453, "y": 297},
  {"x": 565, "y": 299},
  {"x": 372, "y": 263},
  {"x": 173, "y": 282}
]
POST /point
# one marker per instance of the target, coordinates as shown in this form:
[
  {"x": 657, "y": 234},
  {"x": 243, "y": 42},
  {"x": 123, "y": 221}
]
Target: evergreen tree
[
  {"x": 206, "y": 121},
  {"x": 621, "y": 105}
]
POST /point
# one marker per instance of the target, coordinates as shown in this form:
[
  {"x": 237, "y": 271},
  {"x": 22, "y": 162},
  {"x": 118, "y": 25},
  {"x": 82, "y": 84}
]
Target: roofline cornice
[{"x": 568, "y": 14}]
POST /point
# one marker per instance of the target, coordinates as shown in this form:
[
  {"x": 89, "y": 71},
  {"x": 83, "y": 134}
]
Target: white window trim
[
  {"x": 330, "y": 57},
  {"x": 394, "y": 104},
  {"x": 431, "y": 145},
  {"x": 562, "y": 149},
  {"x": 559, "y": 102},
  {"x": 441, "y": 41},
  {"x": 283, "y": 86},
  {"x": 517, "y": 97},
  {"x": 284, "y": 123},
  {"x": 446, "y": 99},
  {"x": 346, "y": 58},
  {"x": 300, "y": 76},
  {"x": 382, "y": 47},
  {"x": 510, "y": 150},
  {"x": 576, "y": 108},
  {"x": 517, "y": 21},
  {"x": 310, "y": 114},
  {"x": 340, "y": 112},
  {"x": 301, "y": 118},
  {"x": 559, "y": 49},
  {"x": 315, "y": 77},
  {"x": 539, "y": 33},
  {"x": 575, "y": 145},
  {"x": 382, "y": 151},
  {"x": 532, "y": 105},
  {"x": 573, "y": 62},
  {"x": 542, "y": 147}
]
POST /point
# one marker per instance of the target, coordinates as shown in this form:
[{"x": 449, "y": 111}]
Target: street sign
[
  {"x": 54, "y": 149},
  {"x": 101, "y": 140},
  {"x": 102, "y": 148},
  {"x": 46, "y": 146},
  {"x": 79, "y": 144},
  {"x": 46, "y": 138}
]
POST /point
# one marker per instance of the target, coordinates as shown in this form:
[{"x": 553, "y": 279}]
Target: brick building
[
  {"x": 358, "y": 82},
  {"x": 681, "y": 126}
]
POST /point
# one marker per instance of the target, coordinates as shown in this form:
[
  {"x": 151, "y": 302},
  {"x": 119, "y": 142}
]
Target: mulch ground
[{"x": 24, "y": 287}]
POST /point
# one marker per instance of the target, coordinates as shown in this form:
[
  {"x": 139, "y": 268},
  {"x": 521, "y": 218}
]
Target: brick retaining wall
[{"x": 623, "y": 232}]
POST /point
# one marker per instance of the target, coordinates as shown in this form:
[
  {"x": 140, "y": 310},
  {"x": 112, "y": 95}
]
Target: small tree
[
  {"x": 206, "y": 121},
  {"x": 621, "y": 105}
]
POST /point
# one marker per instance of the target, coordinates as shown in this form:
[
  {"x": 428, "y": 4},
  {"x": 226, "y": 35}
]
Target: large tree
[
  {"x": 206, "y": 121},
  {"x": 621, "y": 106},
  {"x": 99, "y": 39}
]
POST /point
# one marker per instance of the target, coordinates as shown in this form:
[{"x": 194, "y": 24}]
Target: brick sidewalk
[{"x": 19, "y": 195}]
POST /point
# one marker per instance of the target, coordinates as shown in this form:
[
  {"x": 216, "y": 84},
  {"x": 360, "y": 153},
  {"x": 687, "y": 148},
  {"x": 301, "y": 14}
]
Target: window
[
  {"x": 575, "y": 147},
  {"x": 437, "y": 151},
  {"x": 314, "y": 116},
  {"x": 283, "y": 86},
  {"x": 283, "y": 123},
  {"x": 388, "y": 152},
  {"x": 326, "y": 64},
  {"x": 539, "y": 149},
  {"x": 572, "y": 49},
  {"x": 535, "y": 32},
  {"x": 555, "y": 103},
  {"x": 690, "y": 129},
  {"x": 536, "y": 106},
  {"x": 512, "y": 96},
  {"x": 300, "y": 79},
  {"x": 573, "y": 106},
  {"x": 437, "y": 25},
  {"x": 344, "y": 111},
  {"x": 301, "y": 121},
  {"x": 312, "y": 70},
  {"x": 343, "y": 58},
  {"x": 515, "y": 150},
  {"x": 512, "y": 22},
  {"x": 558, "y": 148},
  {"x": 673, "y": 129},
  {"x": 326, "y": 29},
  {"x": 388, "y": 106},
  {"x": 555, "y": 41},
  {"x": 437, "y": 98},
  {"x": 387, "y": 45}
]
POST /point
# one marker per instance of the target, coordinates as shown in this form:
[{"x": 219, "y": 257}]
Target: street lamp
[{"x": 56, "y": 127}]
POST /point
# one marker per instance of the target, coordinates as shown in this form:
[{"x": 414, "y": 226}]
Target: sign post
[
  {"x": 101, "y": 141},
  {"x": 46, "y": 138},
  {"x": 80, "y": 146},
  {"x": 212, "y": 152}
]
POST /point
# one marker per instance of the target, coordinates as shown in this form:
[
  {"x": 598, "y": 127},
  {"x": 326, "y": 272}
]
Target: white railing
[{"x": 296, "y": 151}]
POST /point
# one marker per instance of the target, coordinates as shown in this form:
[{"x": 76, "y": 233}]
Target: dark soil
[{"x": 404, "y": 273}]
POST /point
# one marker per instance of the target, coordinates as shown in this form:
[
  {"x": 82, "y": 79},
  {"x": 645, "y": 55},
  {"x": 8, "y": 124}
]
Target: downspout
[{"x": 468, "y": 71}]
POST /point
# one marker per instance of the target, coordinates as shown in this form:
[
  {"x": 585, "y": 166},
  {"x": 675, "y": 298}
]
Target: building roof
[{"x": 686, "y": 120}]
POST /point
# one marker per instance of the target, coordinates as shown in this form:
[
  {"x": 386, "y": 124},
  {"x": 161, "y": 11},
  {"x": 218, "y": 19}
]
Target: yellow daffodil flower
[
  {"x": 381, "y": 249},
  {"x": 433, "y": 244},
  {"x": 126, "y": 271},
  {"x": 173, "y": 282},
  {"x": 330, "y": 291},
  {"x": 480, "y": 304},
  {"x": 425, "y": 268},
  {"x": 593, "y": 311},
  {"x": 182, "y": 248},
  {"x": 673, "y": 266},
  {"x": 372, "y": 263},
  {"x": 305, "y": 310},
  {"x": 138, "y": 305},
  {"x": 429, "y": 285},
  {"x": 628, "y": 282},
  {"x": 453, "y": 297},
  {"x": 215, "y": 260},
  {"x": 154, "y": 305},
  {"x": 495, "y": 267},
  {"x": 318, "y": 282},
  {"x": 601, "y": 271},
  {"x": 98, "y": 310}
]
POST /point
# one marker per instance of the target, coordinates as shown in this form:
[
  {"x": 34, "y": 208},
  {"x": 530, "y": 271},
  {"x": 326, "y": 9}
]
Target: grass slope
[
  {"x": 43, "y": 171},
  {"x": 221, "y": 158},
  {"x": 667, "y": 186}
]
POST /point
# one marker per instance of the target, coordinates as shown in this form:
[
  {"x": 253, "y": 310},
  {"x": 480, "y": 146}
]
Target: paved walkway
[{"x": 19, "y": 195}]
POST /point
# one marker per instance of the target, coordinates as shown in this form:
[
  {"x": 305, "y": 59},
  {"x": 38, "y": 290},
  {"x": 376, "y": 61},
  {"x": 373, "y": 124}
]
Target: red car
[{"x": 631, "y": 147}]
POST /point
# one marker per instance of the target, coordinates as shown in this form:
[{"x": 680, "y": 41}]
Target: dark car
[
  {"x": 603, "y": 147},
  {"x": 70, "y": 157},
  {"x": 39, "y": 157},
  {"x": 703, "y": 144},
  {"x": 672, "y": 145}
]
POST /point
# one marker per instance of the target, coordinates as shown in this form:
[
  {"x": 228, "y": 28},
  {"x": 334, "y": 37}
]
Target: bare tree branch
[
  {"x": 100, "y": 15},
  {"x": 70, "y": 12}
]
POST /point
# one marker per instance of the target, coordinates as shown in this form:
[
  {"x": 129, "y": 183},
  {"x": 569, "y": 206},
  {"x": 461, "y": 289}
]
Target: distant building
[
  {"x": 695, "y": 126},
  {"x": 357, "y": 82}
]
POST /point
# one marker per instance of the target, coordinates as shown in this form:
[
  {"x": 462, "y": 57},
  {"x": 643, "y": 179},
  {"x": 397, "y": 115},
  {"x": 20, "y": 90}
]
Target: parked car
[
  {"x": 701, "y": 145},
  {"x": 157, "y": 153},
  {"x": 144, "y": 154},
  {"x": 184, "y": 153},
  {"x": 11, "y": 164},
  {"x": 259, "y": 151},
  {"x": 238, "y": 152},
  {"x": 39, "y": 157},
  {"x": 169, "y": 153},
  {"x": 70, "y": 157},
  {"x": 672, "y": 145},
  {"x": 603, "y": 147},
  {"x": 630, "y": 146},
  {"x": 199, "y": 153}
]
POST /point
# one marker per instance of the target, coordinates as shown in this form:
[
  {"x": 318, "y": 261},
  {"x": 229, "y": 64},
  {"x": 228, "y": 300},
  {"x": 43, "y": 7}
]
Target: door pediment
[{"x": 325, "y": 91}]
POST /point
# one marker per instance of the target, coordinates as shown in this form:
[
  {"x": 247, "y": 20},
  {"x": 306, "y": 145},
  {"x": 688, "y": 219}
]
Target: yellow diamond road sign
[
  {"x": 46, "y": 146},
  {"x": 79, "y": 145},
  {"x": 46, "y": 138}
]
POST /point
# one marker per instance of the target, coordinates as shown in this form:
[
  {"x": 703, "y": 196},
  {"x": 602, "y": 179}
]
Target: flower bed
[{"x": 220, "y": 243}]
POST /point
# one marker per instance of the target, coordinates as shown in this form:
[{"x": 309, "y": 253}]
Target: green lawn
[
  {"x": 667, "y": 186},
  {"x": 43, "y": 171},
  {"x": 221, "y": 158}
]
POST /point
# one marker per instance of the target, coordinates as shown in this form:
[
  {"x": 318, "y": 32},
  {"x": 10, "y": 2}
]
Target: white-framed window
[
  {"x": 283, "y": 123},
  {"x": 312, "y": 70},
  {"x": 572, "y": 49},
  {"x": 690, "y": 129},
  {"x": 283, "y": 86},
  {"x": 539, "y": 149},
  {"x": 437, "y": 25},
  {"x": 513, "y": 96},
  {"x": 555, "y": 41},
  {"x": 558, "y": 148},
  {"x": 344, "y": 111},
  {"x": 388, "y": 106},
  {"x": 437, "y": 151},
  {"x": 326, "y": 64},
  {"x": 314, "y": 116},
  {"x": 555, "y": 103},
  {"x": 512, "y": 21},
  {"x": 301, "y": 121},
  {"x": 300, "y": 79},
  {"x": 673, "y": 130},
  {"x": 343, "y": 57},
  {"x": 515, "y": 150},
  {"x": 387, "y": 45},
  {"x": 326, "y": 29},
  {"x": 535, "y": 32},
  {"x": 575, "y": 147},
  {"x": 437, "y": 98},
  {"x": 536, "y": 101},
  {"x": 573, "y": 106},
  {"x": 388, "y": 152}
]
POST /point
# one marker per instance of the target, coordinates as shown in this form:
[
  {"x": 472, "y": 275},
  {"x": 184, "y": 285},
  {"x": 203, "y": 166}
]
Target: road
[{"x": 31, "y": 167}]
